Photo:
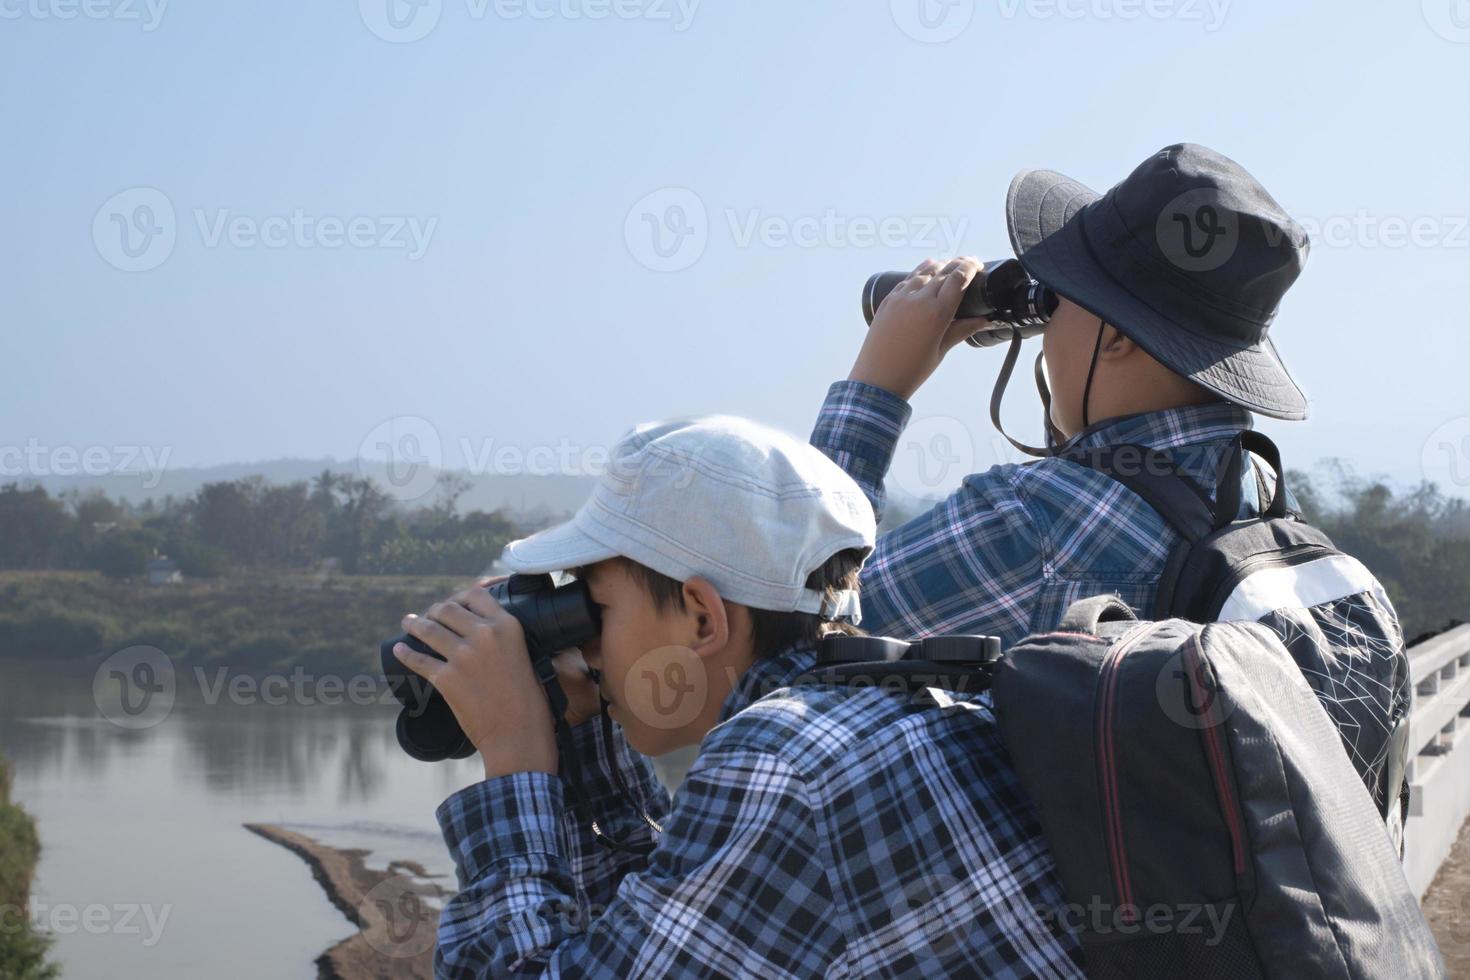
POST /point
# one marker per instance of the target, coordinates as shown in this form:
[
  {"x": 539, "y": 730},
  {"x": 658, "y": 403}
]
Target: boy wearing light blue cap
[{"x": 821, "y": 831}]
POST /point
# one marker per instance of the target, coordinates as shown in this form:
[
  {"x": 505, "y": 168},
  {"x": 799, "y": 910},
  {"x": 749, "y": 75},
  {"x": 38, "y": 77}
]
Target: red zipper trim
[
  {"x": 1215, "y": 748},
  {"x": 1112, "y": 812}
]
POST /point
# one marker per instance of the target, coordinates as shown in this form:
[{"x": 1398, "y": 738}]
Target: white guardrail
[{"x": 1439, "y": 753}]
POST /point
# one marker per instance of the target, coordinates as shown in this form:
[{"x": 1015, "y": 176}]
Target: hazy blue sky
[{"x": 360, "y": 212}]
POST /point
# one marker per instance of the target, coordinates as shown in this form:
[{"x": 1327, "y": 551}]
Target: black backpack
[
  {"x": 1204, "y": 821},
  {"x": 1275, "y": 569}
]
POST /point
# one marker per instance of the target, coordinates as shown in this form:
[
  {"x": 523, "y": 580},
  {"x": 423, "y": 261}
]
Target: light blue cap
[{"x": 748, "y": 507}]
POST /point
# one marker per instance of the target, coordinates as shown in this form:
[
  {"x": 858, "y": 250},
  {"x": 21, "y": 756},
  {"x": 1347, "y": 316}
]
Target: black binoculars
[
  {"x": 554, "y": 619},
  {"x": 1003, "y": 293}
]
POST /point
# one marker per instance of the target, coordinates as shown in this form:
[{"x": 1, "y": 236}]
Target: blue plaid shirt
[
  {"x": 824, "y": 831},
  {"x": 821, "y": 832},
  {"x": 1009, "y": 551}
]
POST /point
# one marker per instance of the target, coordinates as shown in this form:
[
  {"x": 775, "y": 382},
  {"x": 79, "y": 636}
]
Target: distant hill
[
  {"x": 531, "y": 500},
  {"x": 526, "y": 497}
]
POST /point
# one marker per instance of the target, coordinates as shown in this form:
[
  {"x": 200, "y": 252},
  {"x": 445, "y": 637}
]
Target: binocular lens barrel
[{"x": 1002, "y": 292}]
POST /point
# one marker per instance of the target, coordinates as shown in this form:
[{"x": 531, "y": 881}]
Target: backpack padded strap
[
  {"x": 1153, "y": 476},
  {"x": 1086, "y": 615}
]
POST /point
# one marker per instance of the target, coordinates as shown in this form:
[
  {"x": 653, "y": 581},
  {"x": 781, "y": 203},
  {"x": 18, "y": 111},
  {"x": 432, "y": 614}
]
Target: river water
[{"x": 146, "y": 870}]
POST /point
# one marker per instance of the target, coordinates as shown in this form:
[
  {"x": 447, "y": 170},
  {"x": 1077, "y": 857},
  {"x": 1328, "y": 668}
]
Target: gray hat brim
[
  {"x": 1041, "y": 216},
  {"x": 555, "y": 549}
]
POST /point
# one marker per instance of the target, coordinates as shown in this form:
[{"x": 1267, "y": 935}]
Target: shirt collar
[
  {"x": 1168, "y": 428},
  {"x": 766, "y": 675}
]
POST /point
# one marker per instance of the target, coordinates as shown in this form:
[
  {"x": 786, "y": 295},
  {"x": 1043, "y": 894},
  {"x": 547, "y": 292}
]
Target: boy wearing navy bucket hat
[
  {"x": 1169, "y": 285},
  {"x": 1154, "y": 363}
]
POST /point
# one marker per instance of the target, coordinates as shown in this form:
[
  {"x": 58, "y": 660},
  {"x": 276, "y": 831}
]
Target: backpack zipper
[
  {"x": 1290, "y": 557},
  {"x": 1215, "y": 751},
  {"x": 1107, "y": 768}
]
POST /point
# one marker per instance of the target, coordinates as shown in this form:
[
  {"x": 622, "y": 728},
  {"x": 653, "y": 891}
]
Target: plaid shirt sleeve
[
  {"x": 733, "y": 888},
  {"x": 858, "y": 429},
  {"x": 972, "y": 564}
]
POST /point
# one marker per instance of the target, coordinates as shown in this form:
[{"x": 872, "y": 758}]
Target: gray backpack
[
  {"x": 1203, "y": 817},
  {"x": 1275, "y": 569}
]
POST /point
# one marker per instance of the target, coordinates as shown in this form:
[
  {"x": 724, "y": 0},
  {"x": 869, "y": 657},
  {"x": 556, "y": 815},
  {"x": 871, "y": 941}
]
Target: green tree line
[
  {"x": 242, "y": 524},
  {"x": 1417, "y": 542}
]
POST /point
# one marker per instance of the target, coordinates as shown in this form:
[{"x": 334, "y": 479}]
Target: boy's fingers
[
  {"x": 921, "y": 275},
  {"x": 912, "y": 284},
  {"x": 933, "y": 285},
  {"x": 960, "y": 273},
  {"x": 454, "y": 616},
  {"x": 956, "y": 276},
  {"x": 949, "y": 290},
  {"x": 436, "y": 636},
  {"x": 960, "y": 329},
  {"x": 422, "y": 664},
  {"x": 479, "y": 602},
  {"x": 966, "y": 266},
  {"x": 579, "y": 685}
]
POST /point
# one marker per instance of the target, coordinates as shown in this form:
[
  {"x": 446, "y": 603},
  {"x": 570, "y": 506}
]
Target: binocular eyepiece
[
  {"x": 1003, "y": 293},
  {"x": 554, "y": 619}
]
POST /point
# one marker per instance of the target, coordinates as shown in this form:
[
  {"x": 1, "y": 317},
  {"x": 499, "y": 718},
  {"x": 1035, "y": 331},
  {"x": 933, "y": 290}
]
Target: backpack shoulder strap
[{"x": 1153, "y": 475}]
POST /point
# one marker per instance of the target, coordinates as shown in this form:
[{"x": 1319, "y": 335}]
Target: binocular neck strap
[
  {"x": 1009, "y": 365},
  {"x": 1006, "y": 367},
  {"x": 1091, "y": 370},
  {"x": 567, "y": 750},
  {"x": 580, "y": 804}
]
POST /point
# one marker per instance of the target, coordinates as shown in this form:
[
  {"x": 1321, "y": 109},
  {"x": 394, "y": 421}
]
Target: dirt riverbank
[{"x": 396, "y": 910}]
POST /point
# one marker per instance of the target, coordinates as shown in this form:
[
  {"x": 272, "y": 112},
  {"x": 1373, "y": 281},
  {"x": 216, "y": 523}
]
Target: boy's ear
[
  {"x": 1114, "y": 344},
  {"x": 709, "y": 615}
]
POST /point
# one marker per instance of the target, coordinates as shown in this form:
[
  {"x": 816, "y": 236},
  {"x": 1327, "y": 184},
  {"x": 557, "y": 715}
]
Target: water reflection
[
  {"x": 50, "y": 728},
  {"x": 154, "y": 816}
]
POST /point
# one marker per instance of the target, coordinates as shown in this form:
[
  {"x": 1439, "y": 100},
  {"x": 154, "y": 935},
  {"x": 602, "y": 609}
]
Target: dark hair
[{"x": 771, "y": 632}]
